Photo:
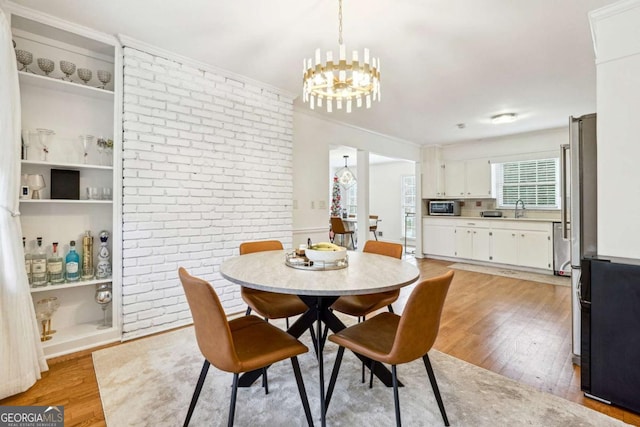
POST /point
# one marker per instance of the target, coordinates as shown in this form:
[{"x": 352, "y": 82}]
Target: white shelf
[
  {"x": 70, "y": 285},
  {"x": 77, "y": 337},
  {"x": 67, "y": 202},
  {"x": 53, "y": 83},
  {"x": 66, "y": 165}
]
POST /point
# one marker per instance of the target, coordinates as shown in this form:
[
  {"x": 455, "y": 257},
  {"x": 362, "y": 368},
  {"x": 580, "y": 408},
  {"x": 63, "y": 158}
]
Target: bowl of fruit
[{"x": 325, "y": 252}]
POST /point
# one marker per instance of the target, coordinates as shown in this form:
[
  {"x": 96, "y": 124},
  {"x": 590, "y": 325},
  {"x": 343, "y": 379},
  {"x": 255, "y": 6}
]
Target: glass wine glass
[
  {"x": 45, "y": 138},
  {"x": 104, "y": 77},
  {"x": 43, "y": 314},
  {"x": 103, "y": 297},
  {"x": 86, "y": 140},
  {"x": 68, "y": 68},
  {"x": 25, "y": 59},
  {"x": 26, "y": 143},
  {"x": 85, "y": 74},
  {"x": 53, "y": 306},
  {"x": 46, "y": 65}
]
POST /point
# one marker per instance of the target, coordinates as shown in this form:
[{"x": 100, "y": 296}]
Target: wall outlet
[
  {"x": 313, "y": 204},
  {"x": 478, "y": 203},
  {"x": 379, "y": 233},
  {"x": 322, "y": 204}
]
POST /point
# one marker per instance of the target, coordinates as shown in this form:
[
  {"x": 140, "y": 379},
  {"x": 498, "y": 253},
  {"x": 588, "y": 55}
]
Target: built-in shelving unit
[{"x": 71, "y": 109}]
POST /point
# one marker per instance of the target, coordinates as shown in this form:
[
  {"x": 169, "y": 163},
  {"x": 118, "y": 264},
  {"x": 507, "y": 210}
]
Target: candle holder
[{"x": 36, "y": 183}]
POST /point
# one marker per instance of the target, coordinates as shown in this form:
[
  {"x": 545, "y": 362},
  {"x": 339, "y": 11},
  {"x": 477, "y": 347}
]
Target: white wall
[
  {"x": 385, "y": 197},
  {"x": 207, "y": 164},
  {"x": 312, "y": 138}
]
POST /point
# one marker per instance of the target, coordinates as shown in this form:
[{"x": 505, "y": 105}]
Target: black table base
[{"x": 320, "y": 313}]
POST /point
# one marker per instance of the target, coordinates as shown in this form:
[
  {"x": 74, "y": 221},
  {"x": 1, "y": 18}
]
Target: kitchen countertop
[{"x": 503, "y": 218}]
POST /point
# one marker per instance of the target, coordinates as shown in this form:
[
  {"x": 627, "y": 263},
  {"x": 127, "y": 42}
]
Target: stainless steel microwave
[{"x": 444, "y": 207}]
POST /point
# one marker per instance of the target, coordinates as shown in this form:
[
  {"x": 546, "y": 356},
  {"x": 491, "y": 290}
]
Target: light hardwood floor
[{"x": 517, "y": 328}]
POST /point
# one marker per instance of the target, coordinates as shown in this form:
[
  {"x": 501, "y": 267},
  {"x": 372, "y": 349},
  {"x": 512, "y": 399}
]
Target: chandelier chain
[{"x": 339, "y": 21}]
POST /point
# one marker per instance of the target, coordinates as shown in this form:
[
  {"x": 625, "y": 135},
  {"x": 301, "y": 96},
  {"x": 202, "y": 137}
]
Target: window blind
[{"x": 535, "y": 182}]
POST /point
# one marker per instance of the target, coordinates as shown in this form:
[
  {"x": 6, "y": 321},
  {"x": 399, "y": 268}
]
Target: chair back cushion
[
  {"x": 210, "y": 323},
  {"x": 383, "y": 248},
  {"x": 260, "y": 246},
  {"x": 420, "y": 321},
  {"x": 337, "y": 226}
]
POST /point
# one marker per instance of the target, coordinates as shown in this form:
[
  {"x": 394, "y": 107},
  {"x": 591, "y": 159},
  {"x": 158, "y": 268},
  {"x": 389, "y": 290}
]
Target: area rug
[
  {"x": 149, "y": 382},
  {"x": 514, "y": 274}
]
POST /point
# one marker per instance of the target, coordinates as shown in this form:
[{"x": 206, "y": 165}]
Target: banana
[{"x": 325, "y": 246}]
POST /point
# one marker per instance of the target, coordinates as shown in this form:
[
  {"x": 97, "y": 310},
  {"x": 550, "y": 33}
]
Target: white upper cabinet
[
  {"x": 468, "y": 179},
  {"x": 432, "y": 173}
]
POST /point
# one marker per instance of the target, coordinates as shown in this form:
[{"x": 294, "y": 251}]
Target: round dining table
[{"x": 365, "y": 273}]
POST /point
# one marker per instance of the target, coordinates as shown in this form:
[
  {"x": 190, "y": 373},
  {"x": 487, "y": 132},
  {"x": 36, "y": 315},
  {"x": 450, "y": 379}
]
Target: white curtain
[{"x": 21, "y": 355}]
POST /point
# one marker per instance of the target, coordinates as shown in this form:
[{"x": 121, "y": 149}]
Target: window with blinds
[
  {"x": 535, "y": 182},
  {"x": 408, "y": 206}
]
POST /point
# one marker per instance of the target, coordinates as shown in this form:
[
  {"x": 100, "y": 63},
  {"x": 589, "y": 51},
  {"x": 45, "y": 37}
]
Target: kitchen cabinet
[
  {"x": 468, "y": 179},
  {"x": 473, "y": 242},
  {"x": 527, "y": 244},
  {"x": 519, "y": 243},
  {"x": 70, "y": 108},
  {"x": 432, "y": 173},
  {"x": 438, "y": 237}
]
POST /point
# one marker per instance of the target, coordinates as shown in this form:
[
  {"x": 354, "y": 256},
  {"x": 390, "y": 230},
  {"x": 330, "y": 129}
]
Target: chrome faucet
[{"x": 521, "y": 213}]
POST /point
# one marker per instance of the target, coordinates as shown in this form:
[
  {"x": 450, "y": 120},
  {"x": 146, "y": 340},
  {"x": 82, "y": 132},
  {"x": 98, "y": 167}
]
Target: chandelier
[
  {"x": 346, "y": 178},
  {"x": 341, "y": 81}
]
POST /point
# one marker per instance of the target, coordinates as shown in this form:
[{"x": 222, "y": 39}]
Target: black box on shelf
[{"x": 65, "y": 184}]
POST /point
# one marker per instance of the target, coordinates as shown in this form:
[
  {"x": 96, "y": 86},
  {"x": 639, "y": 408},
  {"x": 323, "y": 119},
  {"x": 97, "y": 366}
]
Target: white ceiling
[{"x": 443, "y": 62}]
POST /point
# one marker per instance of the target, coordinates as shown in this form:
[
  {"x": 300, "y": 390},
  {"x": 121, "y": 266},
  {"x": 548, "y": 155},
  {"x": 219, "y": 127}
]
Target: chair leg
[
  {"x": 334, "y": 376},
  {"x": 390, "y": 308},
  {"x": 287, "y": 322},
  {"x": 396, "y": 398},
  {"x": 353, "y": 243},
  {"x": 371, "y": 368},
  {"x": 314, "y": 340},
  {"x": 434, "y": 386},
  {"x": 248, "y": 312},
  {"x": 265, "y": 381},
  {"x": 301, "y": 389},
  {"x": 232, "y": 405},
  {"x": 196, "y": 392}
]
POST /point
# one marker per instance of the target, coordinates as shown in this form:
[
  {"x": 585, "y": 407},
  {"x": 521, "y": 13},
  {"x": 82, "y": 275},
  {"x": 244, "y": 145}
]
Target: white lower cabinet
[
  {"x": 473, "y": 243},
  {"x": 514, "y": 242},
  {"x": 439, "y": 239}
]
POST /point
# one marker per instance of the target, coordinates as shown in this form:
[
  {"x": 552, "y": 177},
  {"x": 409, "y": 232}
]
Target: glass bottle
[
  {"x": 73, "y": 263},
  {"x": 55, "y": 266},
  {"x": 103, "y": 268},
  {"x": 87, "y": 256},
  {"x": 27, "y": 260},
  {"x": 39, "y": 265}
]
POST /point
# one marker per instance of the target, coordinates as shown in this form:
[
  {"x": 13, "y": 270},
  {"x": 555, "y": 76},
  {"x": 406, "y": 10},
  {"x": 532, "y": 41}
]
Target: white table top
[{"x": 367, "y": 273}]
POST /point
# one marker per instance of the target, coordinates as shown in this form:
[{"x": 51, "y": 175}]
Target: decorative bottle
[
  {"x": 27, "y": 260},
  {"x": 73, "y": 263},
  {"x": 87, "y": 256},
  {"x": 55, "y": 266},
  {"x": 103, "y": 268},
  {"x": 39, "y": 266}
]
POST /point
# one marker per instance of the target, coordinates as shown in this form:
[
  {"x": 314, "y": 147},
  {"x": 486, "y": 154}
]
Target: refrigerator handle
[{"x": 564, "y": 148}]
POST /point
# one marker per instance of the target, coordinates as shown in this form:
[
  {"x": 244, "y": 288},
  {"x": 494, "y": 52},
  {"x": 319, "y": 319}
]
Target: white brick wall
[{"x": 207, "y": 164}]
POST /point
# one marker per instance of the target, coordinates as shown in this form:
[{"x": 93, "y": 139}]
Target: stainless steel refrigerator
[{"x": 579, "y": 205}]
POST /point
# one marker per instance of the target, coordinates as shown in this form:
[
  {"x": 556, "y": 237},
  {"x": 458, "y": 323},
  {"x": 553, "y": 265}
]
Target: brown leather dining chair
[
  {"x": 337, "y": 227},
  {"x": 269, "y": 305},
  {"x": 373, "y": 225},
  {"x": 240, "y": 345},
  {"x": 392, "y": 339},
  {"x": 361, "y": 305}
]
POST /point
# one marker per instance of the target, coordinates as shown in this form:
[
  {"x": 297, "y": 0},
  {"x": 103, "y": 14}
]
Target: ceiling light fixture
[
  {"x": 346, "y": 178},
  {"x": 342, "y": 81},
  {"x": 504, "y": 118}
]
